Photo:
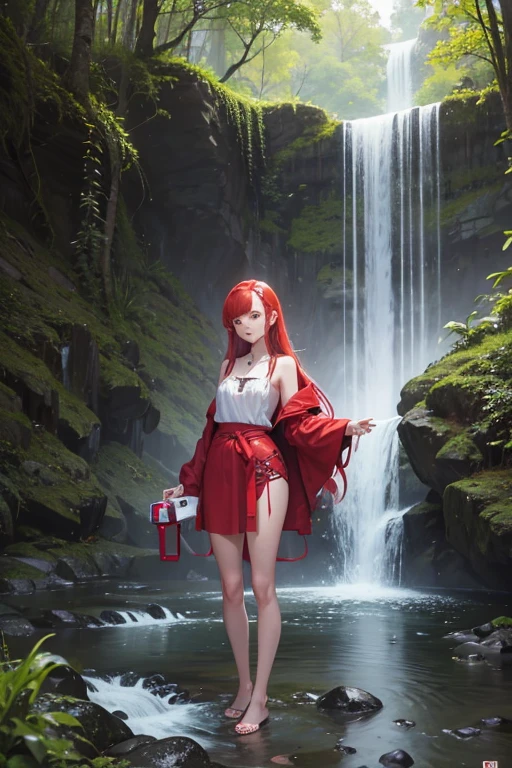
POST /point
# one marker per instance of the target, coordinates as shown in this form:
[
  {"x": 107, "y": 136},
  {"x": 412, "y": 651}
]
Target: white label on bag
[{"x": 185, "y": 507}]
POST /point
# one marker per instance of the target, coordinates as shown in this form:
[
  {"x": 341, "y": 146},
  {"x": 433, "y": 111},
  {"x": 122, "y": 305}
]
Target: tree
[
  {"x": 406, "y": 19},
  {"x": 345, "y": 73},
  {"x": 481, "y": 29},
  {"x": 264, "y": 21},
  {"x": 77, "y": 75}
]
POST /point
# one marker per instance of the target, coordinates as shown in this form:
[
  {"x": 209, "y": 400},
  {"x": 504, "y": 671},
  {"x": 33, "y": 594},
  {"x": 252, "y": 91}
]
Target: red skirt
[{"x": 241, "y": 461}]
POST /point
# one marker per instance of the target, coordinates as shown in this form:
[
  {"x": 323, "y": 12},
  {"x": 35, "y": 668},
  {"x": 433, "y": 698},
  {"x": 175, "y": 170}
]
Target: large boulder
[
  {"x": 99, "y": 726},
  {"x": 478, "y": 517},
  {"x": 349, "y": 701},
  {"x": 440, "y": 452},
  {"x": 175, "y": 751}
]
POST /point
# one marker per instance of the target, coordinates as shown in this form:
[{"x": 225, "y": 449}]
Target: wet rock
[
  {"x": 155, "y": 611},
  {"x": 404, "y": 723},
  {"x": 169, "y": 689},
  {"x": 92, "y": 621},
  {"x": 464, "y": 636},
  {"x": 344, "y": 750},
  {"x": 153, "y": 681},
  {"x": 128, "y": 679},
  {"x": 303, "y": 697},
  {"x": 76, "y": 568},
  {"x": 349, "y": 701},
  {"x": 468, "y": 650},
  {"x": 17, "y": 586},
  {"x": 46, "y": 566},
  {"x": 484, "y": 630},
  {"x": 121, "y": 715},
  {"x": 499, "y": 638},
  {"x": 464, "y": 733},
  {"x": 497, "y": 722},
  {"x": 84, "y": 366},
  {"x": 65, "y": 681},
  {"x": 175, "y": 751},
  {"x": 57, "y": 618},
  {"x": 16, "y": 626},
  {"x": 131, "y": 352},
  {"x": 112, "y": 617},
  {"x": 99, "y": 726},
  {"x": 399, "y": 758},
  {"x": 130, "y": 745},
  {"x": 61, "y": 279}
]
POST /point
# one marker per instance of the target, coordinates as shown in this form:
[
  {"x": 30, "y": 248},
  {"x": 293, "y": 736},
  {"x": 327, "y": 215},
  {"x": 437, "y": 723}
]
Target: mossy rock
[
  {"x": 423, "y": 437},
  {"x": 318, "y": 228},
  {"x": 461, "y": 454},
  {"x": 478, "y": 517},
  {"x": 460, "y": 397},
  {"x": 56, "y": 490},
  {"x": 454, "y": 363},
  {"x": 100, "y": 728},
  {"x": 131, "y": 485}
]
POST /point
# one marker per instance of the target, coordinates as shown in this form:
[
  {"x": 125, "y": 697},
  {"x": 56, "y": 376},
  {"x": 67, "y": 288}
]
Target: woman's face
[{"x": 251, "y": 326}]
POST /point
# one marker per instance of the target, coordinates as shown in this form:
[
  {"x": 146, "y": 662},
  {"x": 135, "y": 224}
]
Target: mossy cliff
[
  {"x": 83, "y": 381},
  {"x": 457, "y": 432}
]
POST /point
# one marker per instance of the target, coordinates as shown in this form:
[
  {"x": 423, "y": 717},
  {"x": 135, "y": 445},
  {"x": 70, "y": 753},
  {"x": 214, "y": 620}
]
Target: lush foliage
[
  {"x": 29, "y": 739},
  {"x": 472, "y": 50}
]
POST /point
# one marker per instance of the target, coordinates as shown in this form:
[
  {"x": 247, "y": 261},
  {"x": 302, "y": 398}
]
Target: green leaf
[{"x": 63, "y": 718}]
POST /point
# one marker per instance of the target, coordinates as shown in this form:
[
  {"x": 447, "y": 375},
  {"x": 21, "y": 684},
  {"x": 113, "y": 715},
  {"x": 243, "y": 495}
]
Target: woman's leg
[
  {"x": 228, "y": 554},
  {"x": 263, "y": 547}
]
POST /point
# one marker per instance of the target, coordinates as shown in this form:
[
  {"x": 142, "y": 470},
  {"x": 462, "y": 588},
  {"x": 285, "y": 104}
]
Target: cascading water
[
  {"x": 391, "y": 307},
  {"x": 399, "y": 75}
]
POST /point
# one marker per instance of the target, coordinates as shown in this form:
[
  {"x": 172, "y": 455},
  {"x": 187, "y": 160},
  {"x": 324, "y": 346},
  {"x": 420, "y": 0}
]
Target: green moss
[
  {"x": 244, "y": 114},
  {"x": 312, "y": 136},
  {"x": 502, "y": 621},
  {"x": 451, "y": 211},
  {"x": 318, "y": 228},
  {"x": 269, "y": 225},
  {"x": 124, "y": 476},
  {"x": 74, "y": 412},
  {"x": 460, "y": 447},
  {"x": 27, "y": 82}
]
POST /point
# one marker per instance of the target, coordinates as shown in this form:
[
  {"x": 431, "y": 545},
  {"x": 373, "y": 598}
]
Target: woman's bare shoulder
[
  {"x": 223, "y": 369},
  {"x": 286, "y": 363}
]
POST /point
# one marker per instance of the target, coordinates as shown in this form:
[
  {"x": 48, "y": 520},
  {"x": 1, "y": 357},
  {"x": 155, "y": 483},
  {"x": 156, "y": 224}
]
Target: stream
[{"x": 387, "y": 641}]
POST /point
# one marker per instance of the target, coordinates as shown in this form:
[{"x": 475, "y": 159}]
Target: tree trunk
[
  {"x": 116, "y": 22},
  {"x": 109, "y": 20},
  {"x": 241, "y": 61},
  {"x": 37, "y": 21},
  {"x": 151, "y": 9},
  {"x": 506, "y": 96},
  {"x": 129, "y": 30},
  {"x": 77, "y": 76}
]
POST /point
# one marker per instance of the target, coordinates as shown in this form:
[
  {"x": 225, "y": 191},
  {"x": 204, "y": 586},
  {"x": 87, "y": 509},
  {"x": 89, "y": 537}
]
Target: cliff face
[{"x": 99, "y": 409}]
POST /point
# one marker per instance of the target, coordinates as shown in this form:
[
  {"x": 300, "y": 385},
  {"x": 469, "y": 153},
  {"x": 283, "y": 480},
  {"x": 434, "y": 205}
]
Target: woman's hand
[
  {"x": 173, "y": 493},
  {"x": 358, "y": 428}
]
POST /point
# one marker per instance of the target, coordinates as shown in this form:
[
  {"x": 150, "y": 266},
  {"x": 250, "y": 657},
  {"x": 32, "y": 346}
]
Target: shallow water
[{"x": 388, "y": 641}]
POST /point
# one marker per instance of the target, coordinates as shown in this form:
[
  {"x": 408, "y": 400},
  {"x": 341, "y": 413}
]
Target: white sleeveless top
[{"x": 246, "y": 399}]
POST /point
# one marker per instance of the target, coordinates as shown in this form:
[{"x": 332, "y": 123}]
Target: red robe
[{"x": 311, "y": 444}]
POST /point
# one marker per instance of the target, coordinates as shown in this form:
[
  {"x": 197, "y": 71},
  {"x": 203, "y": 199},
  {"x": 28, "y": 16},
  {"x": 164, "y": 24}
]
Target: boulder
[
  {"x": 65, "y": 681},
  {"x": 175, "y": 751},
  {"x": 99, "y": 726},
  {"x": 478, "y": 518},
  {"x": 398, "y": 758},
  {"x": 16, "y": 626},
  {"x": 440, "y": 452},
  {"x": 349, "y": 701},
  {"x": 130, "y": 745}
]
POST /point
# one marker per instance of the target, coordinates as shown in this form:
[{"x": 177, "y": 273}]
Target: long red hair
[{"x": 238, "y": 302}]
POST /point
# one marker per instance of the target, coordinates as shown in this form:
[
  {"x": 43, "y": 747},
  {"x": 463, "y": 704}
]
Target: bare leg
[
  {"x": 263, "y": 547},
  {"x": 228, "y": 554}
]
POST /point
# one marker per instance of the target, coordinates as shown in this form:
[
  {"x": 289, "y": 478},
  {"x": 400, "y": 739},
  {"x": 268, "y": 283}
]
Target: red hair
[{"x": 238, "y": 302}]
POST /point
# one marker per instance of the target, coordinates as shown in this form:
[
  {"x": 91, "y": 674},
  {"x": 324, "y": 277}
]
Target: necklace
[{"x": 251, "y": 361}]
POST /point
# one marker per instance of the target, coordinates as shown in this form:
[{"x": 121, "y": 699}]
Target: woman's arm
[{"x": 286, "y": 369}]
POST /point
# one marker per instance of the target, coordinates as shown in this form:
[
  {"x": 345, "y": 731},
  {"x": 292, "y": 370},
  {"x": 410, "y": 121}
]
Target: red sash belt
[{"x": 244, "y": 434}]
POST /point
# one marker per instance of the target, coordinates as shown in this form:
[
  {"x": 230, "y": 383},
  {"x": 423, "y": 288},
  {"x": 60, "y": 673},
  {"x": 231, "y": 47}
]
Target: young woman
[{"x": 269, "y": 446}]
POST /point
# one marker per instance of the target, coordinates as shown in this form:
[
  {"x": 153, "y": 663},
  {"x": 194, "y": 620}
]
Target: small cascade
[
  {"x": 64, "y": 357},
  {"x": 391, "y": 308},
  {"x": 399, "y": 75},
  {"x": 146, "y": 713}
]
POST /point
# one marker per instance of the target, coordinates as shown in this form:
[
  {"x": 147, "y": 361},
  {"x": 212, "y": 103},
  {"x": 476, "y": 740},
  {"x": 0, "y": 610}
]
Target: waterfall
[
  {"x": 391, "y": 309},
  {"x": 399, "y": 75}
]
